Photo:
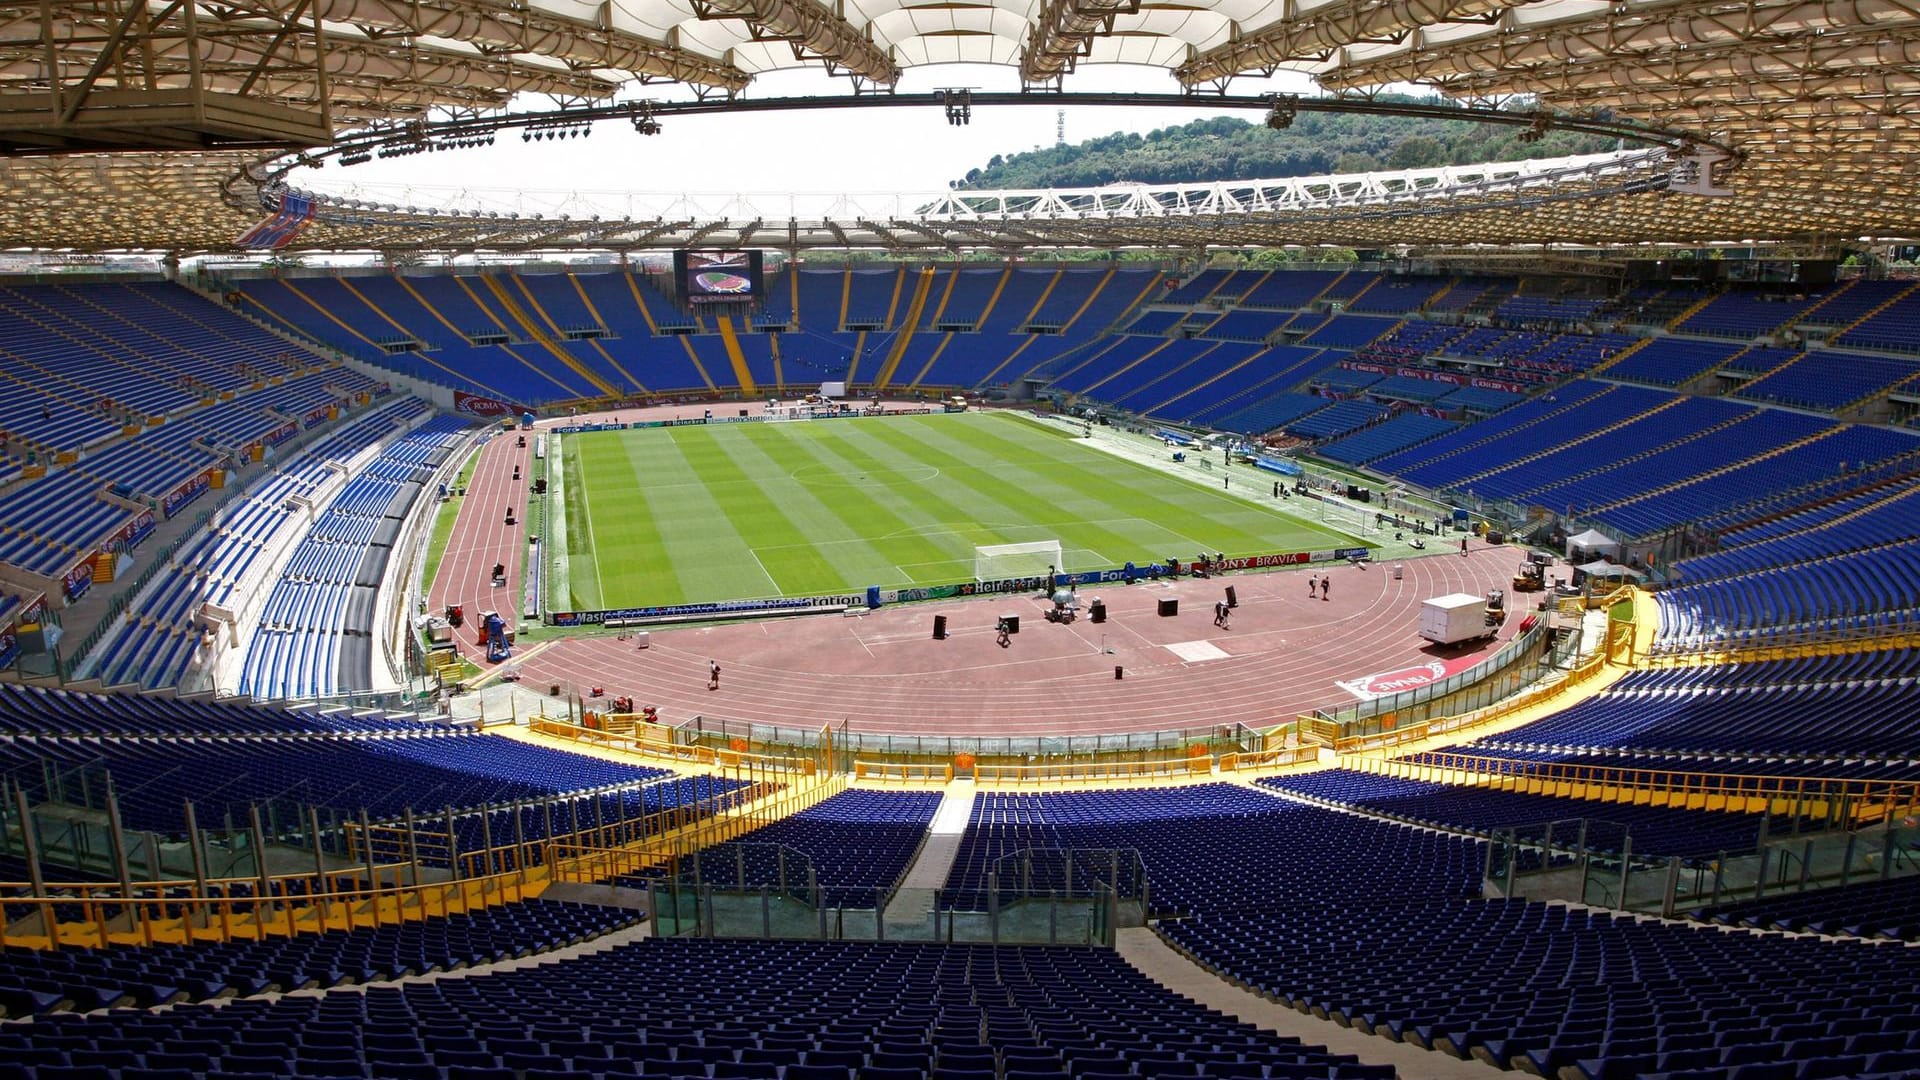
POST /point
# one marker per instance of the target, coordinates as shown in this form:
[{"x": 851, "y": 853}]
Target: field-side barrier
[
  {"x": 803, "y": 605},
  {"x": 1621, "y": 638}
]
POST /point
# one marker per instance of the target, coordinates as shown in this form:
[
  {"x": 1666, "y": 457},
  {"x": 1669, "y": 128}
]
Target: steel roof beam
[
  {"x": 1314, "y": 34},
  {"x": 513, "y": 27}
]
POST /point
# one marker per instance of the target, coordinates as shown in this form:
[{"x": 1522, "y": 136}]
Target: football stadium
[{"x": 1411, "y": 571}]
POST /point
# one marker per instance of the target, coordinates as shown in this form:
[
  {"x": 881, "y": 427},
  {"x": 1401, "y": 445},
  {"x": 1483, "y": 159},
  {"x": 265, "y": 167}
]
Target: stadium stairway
[
  {"x": 1033, "y": 312},
  {"x": 1099, "y": 338},
  {"x": 538, "y": 332},
  {"x": 1692, "y": 309},
  {"x": 1793, "y": 357},
  {"x": 1680, "y": 439},
  {"x": 593, "y": 310},
  {"x": 1833, "y": 297},
  {"x": 912, "y": 905},
  {"x": 1600, "y": 369},
  {"x": 735, "y": 357},
  {"x": 266, "y": 315},
  {"x": 1467, "y": 445},
  {"x": 1452, "y": 284},
  {"x": 1154, "y": 410},
  {"x": 1093, "y": 390},
  {"x": 1176, "y": 970},
  {"x": 908, "y": 325},
  {"x": 1840, "y": 332},
  {"x": 347, "y": 284}
]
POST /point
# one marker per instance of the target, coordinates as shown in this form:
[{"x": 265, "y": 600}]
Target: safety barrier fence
[
  {"x": 295, "y": 869},
  {"x": 1747, "y": 648},
  {"x": 1028, "y": 895},
  {"x": 1574, "y": 605},
  {"x": 1278, "y": 757},
  {"x": 843, "y": 748},
  {"x": 575, "y": 819},
  {"x": 1107, "y": 771},
  {"x": 1014, "y": 776},
  {"x": 1594, "y": 862},
  {"x": 1619, "y": 644},
  {"x": 1527, "y": 657},
  {"x": 904, "y": 772},
  {"x": 1835, "y": 802},
  {"x": 97, "y": 914},
  {"x": 590, "y": 860},
  {"x": 628, "y": 733}
]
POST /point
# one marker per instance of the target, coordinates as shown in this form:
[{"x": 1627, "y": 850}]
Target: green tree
[
  {"x": 1418, "y": 152},
  {"x": 1230, "y": 148}
]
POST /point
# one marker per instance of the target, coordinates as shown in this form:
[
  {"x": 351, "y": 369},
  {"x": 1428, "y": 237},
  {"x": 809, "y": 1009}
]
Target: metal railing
[
  {"x": 282, "y": 866},
  {"x": 875, "y": 748},
  {"x": 1484, "y": 684},
  {"x": 1838, "y": 802},
  {"x": 1037, "y": 896},
  {"x": 1565, "y": 861}
]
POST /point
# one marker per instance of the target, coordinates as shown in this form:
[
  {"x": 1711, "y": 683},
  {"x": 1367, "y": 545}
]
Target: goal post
[{"x": 997, "y": 562}]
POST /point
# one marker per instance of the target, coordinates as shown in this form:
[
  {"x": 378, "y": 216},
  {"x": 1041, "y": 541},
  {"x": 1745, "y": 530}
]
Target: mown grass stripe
[
  {"x": 822, "y": 531},
  {"x": 912, "y": 528},
  {"x": 763, "y": 520},
  {"x": 889, "y": 535},
  {"x": 584, "y": 587},
  {"x": 711, "y": 513},
  {"x": 1018, "y": 494},
  {"x": 705, "y": 550},
  {"x": 1233, "y": 525}
]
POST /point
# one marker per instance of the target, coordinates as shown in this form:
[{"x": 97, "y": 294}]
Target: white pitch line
[
  {"x": 586, "y": 507},
  {"x": 771, "y": 584}
]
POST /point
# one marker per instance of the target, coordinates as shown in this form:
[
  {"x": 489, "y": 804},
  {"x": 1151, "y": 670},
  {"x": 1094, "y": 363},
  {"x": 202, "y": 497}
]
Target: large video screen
[{"x": 718, "y": 277}]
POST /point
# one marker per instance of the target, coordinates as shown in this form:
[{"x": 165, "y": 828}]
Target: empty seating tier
[
  {"x": 314, "y": 632},
  {"x": 687, "y": 1008},
  {"x": 37, "y": 982},
  {"x": 1854, "y": 705},
  {"x": 857, "y": 844}
]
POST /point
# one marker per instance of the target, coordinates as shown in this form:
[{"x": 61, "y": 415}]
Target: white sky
[{"x": 857, "y": 150}]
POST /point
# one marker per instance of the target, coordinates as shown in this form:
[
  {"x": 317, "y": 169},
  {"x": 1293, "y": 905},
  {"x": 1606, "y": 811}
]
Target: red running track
[
  {"x": 481, "y": 537},
  {"x": 883, "y": 672}
]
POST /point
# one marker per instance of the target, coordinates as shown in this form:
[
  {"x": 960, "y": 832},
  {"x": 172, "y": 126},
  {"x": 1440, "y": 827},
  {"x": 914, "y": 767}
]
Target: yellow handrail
[
  {"x": 905, "y": 772},
  {"x": 1092, "y": 771},
  {"x": 159, "y": 913},
  {"x": 655, "y": 740},
  {"x": 1269, "y": 759},
  {"x": 1854, "y": 802},
  {"x": 98, "y": 914}
]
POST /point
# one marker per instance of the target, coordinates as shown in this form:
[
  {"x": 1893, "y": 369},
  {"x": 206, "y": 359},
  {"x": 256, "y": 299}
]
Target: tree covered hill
[{"x": 1231, "y": 148}]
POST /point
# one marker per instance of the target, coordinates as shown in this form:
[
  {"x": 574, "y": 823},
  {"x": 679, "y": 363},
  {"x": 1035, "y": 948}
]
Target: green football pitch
[{"x": 734, "y": 511}]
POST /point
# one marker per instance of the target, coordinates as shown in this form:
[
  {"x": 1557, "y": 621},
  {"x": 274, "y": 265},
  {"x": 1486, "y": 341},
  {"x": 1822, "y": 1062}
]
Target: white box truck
[{"x": 1457, "y": 617}]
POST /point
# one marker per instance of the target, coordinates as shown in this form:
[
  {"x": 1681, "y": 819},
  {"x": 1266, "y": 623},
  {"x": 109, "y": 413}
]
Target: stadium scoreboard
[{"x": 718, "y": 277}]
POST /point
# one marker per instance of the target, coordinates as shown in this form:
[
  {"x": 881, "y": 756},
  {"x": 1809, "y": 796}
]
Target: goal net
[{"x": 995, "y": 562}]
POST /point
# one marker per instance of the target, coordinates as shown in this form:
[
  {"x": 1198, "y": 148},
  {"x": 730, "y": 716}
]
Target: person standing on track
[
  {"x": 1313, "y": 582},
  {"x": 1326, "y": 583},
  {"x": 713, "y": 674}
]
